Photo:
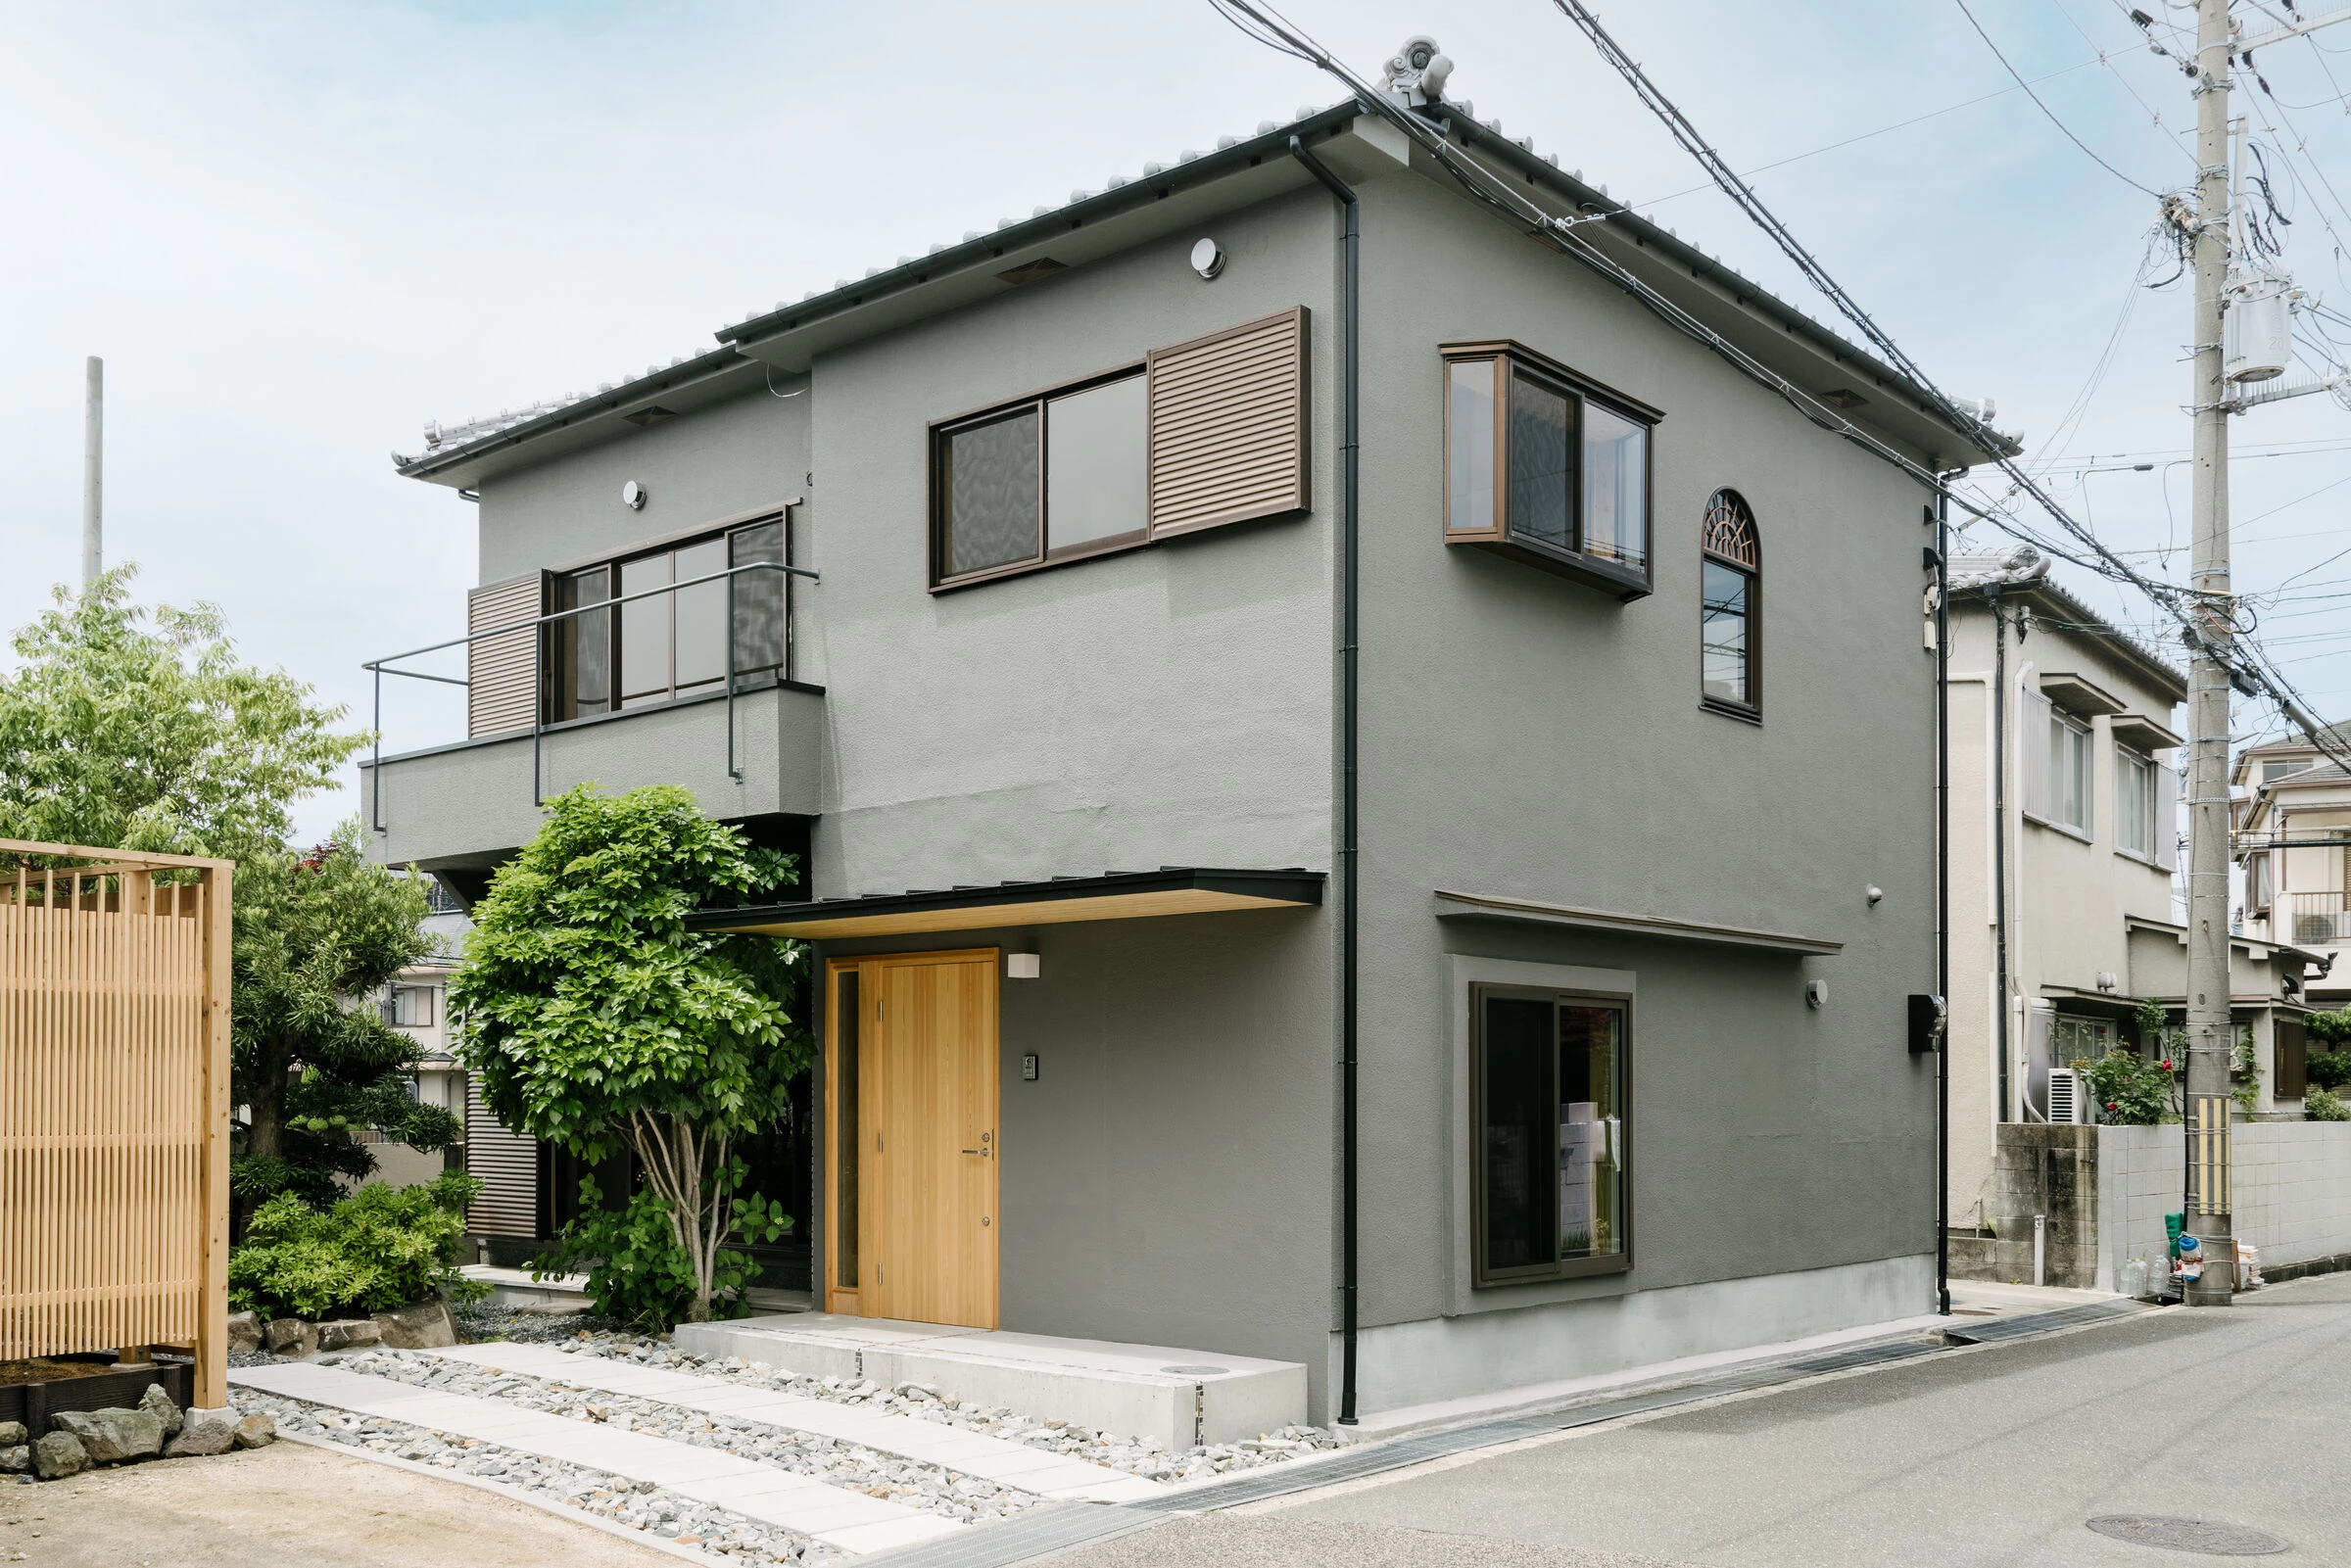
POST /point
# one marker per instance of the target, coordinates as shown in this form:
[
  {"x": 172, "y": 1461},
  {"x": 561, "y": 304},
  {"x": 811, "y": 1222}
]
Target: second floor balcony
[{"x": 668, "y": 668}]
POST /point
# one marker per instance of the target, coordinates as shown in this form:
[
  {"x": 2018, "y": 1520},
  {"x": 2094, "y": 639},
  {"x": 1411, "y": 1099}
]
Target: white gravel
[{"x": 721, "y": 1536}]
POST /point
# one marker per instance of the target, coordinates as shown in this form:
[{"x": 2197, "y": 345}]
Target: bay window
[{"x": 1546, "y": 466}]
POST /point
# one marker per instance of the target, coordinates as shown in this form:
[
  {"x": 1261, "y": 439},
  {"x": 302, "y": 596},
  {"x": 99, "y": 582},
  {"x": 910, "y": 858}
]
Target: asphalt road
[{"x": 1997, "y": 1454}]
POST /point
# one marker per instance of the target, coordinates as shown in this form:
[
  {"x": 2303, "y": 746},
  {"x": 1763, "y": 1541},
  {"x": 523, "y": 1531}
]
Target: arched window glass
[{"x": 1730, "y": 605}]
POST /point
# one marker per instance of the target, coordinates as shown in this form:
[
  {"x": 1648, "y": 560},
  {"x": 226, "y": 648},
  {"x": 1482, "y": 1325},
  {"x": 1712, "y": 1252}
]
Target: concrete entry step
[{"x": 1182, "y": 1398}]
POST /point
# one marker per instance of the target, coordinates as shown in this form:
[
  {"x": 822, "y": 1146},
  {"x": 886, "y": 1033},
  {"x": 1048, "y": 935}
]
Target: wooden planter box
[{"x": 34, "y": 1403}]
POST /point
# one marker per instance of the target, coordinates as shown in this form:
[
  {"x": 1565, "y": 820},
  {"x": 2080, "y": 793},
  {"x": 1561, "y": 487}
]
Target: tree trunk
[{"x": 268, "y": 1101}]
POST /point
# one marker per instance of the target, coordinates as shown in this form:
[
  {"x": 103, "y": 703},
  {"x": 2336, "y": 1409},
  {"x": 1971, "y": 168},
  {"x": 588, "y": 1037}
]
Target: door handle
[{"x": 985, "y": 1150}]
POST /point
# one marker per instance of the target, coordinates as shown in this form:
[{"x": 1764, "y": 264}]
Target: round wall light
[
  {"x": 1208, "y": 258},
  {"x": 631, "y": 495}
]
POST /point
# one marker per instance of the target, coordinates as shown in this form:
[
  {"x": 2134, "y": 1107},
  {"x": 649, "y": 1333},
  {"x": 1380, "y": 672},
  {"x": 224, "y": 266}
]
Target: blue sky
[{"x": 297, "y": 232}]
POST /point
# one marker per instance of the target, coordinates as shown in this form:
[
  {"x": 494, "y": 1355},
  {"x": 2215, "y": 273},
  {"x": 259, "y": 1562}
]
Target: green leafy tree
[
  {"x": 133, "y": 728},
  {"x": 317, "y": 938},
  {"x": 596, "y": 1021}
]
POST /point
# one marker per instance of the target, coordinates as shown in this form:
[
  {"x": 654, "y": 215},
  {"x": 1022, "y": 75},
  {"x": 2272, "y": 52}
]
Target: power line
[{"x": 2044, "y": 108}]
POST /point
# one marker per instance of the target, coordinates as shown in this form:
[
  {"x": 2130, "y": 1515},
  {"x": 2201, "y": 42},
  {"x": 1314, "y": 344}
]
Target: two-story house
[
  {"x": 2293, "y": 827},
  {"x": 2065, "y": 847},
  {"x": 1367, "y": 781}
]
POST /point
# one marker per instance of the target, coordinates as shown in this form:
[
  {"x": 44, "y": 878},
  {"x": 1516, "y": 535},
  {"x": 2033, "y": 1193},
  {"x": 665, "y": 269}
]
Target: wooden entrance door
[{"x": 911, "y": 1067}]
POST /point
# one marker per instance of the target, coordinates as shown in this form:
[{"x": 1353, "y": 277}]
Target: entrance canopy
[{"x": 1118, "y": 895}]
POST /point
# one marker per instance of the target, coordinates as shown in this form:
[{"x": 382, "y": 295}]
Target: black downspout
[
  {"x": 1349, "y": 925},
  {"x": 1942, "y": 900},
  {"x": 1999, "y": 833}
]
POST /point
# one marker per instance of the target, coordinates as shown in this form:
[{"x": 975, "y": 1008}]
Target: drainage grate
[{"x": 2189, "y": 1535}]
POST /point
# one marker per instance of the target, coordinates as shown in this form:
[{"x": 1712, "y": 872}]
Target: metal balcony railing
[
  {"x": 2317, "y": 919},
  {"x": 536, "y": 626}
]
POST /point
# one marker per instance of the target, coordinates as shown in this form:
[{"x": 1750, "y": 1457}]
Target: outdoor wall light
[
  {"x": 1020, "y": 966},
  {"x": 1876, "y": 893},
  {"x": 1816, "y": 993},
  {"x": 1208, "y": 258},
  {"x": 631, "y": 495}
]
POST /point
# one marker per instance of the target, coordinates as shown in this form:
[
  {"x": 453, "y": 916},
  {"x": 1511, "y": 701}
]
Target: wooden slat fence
[{"x": 114, "y": 1105}]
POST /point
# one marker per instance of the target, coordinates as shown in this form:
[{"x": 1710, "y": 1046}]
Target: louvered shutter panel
[
  {"x": 2036, "y": 715},
  {"x": 502, "y": 688},
  {"x": 508, "y": 1163},
  {"x": 1228, "y": 425}
]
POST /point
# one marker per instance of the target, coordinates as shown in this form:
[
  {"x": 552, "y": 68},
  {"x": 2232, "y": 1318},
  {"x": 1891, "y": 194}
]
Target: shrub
[
  {"x": 636, "y": 1273},
  {"x": 2329, "y": 1070},
  {"x": 381, "y": 1247},
  {"x": 2324, "y": 1105},
  {"x": 2130, "y": 1090}
]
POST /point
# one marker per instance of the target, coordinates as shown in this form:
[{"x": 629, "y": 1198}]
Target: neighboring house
[
  {"x": 417, "y": 1003},
  {"x": 1062, "y": 732},
  {"x": 2065, "y": 843},
  {"x": 2294, "y": 840}
]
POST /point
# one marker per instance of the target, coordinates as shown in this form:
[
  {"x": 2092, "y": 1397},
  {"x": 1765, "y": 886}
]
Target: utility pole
[
  {"x": 2210, "y": 1033},
  {"x": 93, "y": 469}
]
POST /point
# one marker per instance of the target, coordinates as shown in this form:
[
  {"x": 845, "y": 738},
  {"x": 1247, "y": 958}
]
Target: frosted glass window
[
  {"x": 1470, "y": 437},
  {"x": 1094, "y": 479},
  {"x": 701, "y": 617}
]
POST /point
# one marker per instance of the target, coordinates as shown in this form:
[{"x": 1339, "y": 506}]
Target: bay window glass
[
  {"x": 1542, "y": 465},
  {"x": 1550, "y": 1182}
]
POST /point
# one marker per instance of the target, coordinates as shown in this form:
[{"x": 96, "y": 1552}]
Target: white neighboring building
[
  {"x": 2293, "y": 841},
  {"x": 417, "y": 1003}
]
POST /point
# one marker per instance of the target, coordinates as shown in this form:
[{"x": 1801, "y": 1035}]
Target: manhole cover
[
  {"x": 1194, "y": 1371},
  {"x": 2187, "y": 1534}
]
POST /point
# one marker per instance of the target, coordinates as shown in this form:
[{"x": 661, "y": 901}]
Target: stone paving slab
[
  {"x": 838, "y": 1517},
  {"x": 997, "y": 1459}
]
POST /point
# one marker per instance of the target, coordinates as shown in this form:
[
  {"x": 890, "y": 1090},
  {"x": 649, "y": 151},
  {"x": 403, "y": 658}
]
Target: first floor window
[{"x": 1551, "y": 1188}]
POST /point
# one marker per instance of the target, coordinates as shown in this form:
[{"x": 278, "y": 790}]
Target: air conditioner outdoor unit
[{"x": 2066, "y": 1101}]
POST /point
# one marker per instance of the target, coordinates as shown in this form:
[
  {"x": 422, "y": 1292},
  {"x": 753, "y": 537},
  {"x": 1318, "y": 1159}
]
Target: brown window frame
[
  {"x": 1482, "y": 1277},
  {"x": 1494, "y": 534},
  {"x": 1753, "y": 570},
  {"x": 553, "y": 657},
  {"x": 942, "y": 431}
]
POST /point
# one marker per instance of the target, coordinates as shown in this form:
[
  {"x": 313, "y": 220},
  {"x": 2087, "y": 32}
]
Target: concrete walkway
[
  {"x": 1011, "y": 1464},
  {"x": 834, "y": 1515}
]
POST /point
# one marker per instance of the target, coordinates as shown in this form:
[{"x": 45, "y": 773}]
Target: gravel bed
[
  {"x": 721, "y": 1536},
  {"x": 910, "y": 1483},
  {"x": 479, "y": 1322},
  {"x": 1144, "y": 1456}
]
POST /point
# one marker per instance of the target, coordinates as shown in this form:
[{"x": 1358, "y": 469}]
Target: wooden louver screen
[
  {"x": 114, "y": 1107},
  {"x": 1228, "y": 425},
  {"x": 502, "y": 690}
]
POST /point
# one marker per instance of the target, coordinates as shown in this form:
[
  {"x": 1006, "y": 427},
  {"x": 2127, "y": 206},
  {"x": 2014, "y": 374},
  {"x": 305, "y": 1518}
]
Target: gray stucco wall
[
  {"x": 1167, "y": 706},
  {"x": 1166, "y": 1180},
  {"x": 709, "y": 464},
  {"x": 1526, "y": 736}
]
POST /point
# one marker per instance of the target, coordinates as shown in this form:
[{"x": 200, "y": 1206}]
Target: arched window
[{"x": 1730, "y": 614}]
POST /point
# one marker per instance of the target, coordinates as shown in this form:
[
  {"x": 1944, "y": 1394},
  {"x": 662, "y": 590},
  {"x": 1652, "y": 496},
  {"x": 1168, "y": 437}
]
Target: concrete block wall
[{"x": 2292, "y": 1200}]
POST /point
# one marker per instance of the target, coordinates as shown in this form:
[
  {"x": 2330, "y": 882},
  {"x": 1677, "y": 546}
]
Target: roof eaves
[
  {"x": 2051, "y": 595},
  {"x": 1154, "y": 185},
  {"x": 1746, "y": 292},
  {"x": 620, "y": 395}
]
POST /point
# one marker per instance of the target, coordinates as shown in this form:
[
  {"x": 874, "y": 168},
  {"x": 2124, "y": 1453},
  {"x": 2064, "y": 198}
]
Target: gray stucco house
[{"x": 1612, "y": 1036}]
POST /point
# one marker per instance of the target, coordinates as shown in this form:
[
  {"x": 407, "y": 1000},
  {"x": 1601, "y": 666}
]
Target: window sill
[
  {"x": 1579, "y": 1269},
  {"x": 1121, "y": 545},
  {"x": 2133, "y": 854},
  {"x": 2054, "y": 826},
  {"x": 1745, "y": 712},
  {"x": 1591, "y": 571}
]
